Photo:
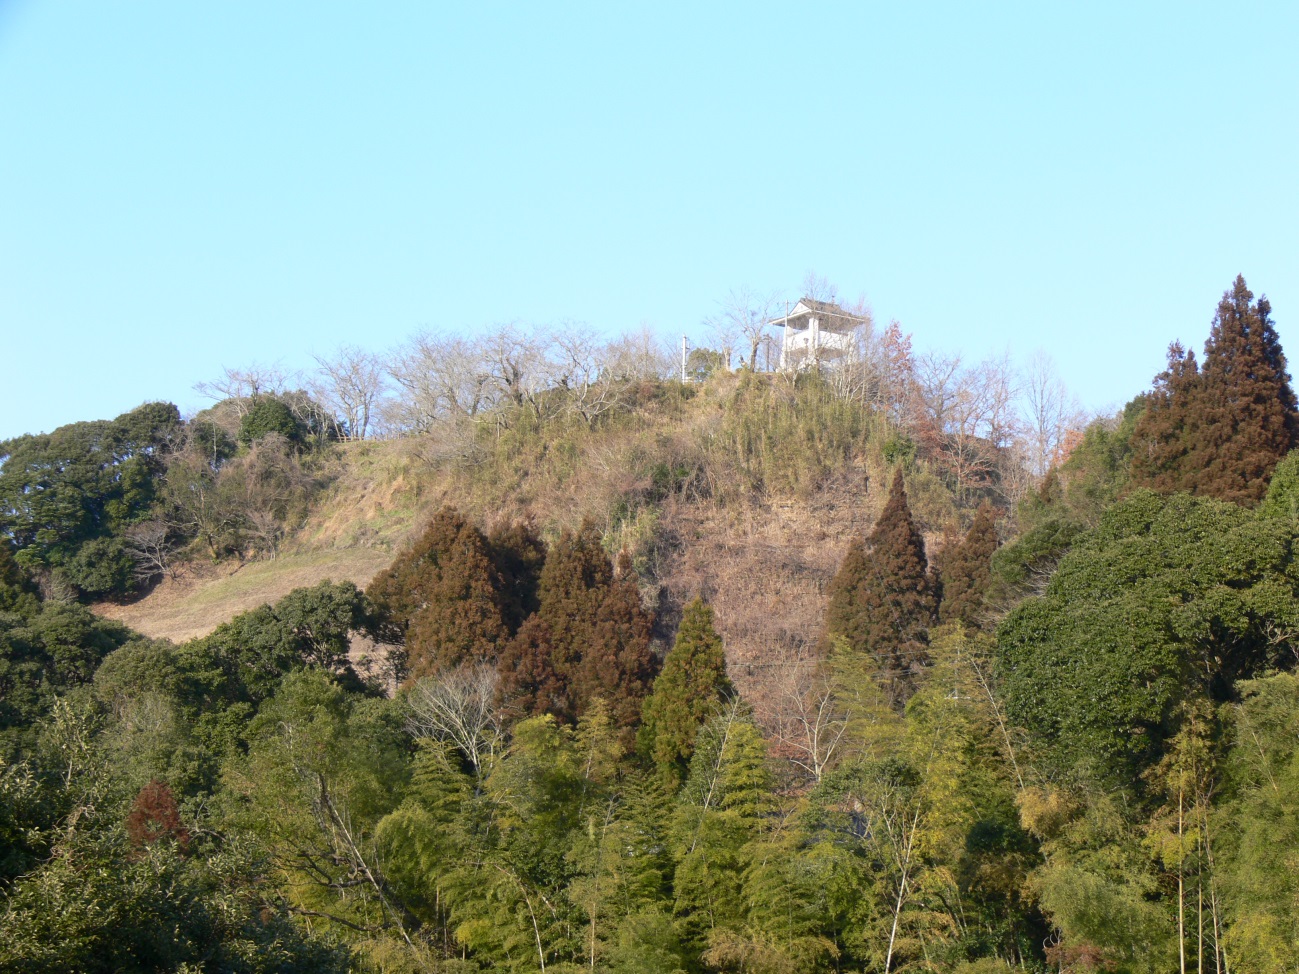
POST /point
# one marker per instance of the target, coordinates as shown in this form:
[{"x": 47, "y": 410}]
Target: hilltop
[
  {"x": 742, "y": 487},
  {"x": 669, "y": 680}
]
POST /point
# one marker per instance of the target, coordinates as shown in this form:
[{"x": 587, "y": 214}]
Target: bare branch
[
  {"x": 459, "y": 708},
  {"x": 810, "y": 723},
  {"x": 352, "y": 382},
  {"x": 150, "y": 545},
  {"x": 241, "y": 386}
]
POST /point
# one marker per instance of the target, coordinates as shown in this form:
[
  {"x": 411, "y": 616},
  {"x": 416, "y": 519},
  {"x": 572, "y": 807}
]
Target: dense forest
[{"x": 1045, "y": 716}]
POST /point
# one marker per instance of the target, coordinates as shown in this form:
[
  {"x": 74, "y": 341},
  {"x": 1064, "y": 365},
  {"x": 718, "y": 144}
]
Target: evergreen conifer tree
[
  {"x": 1250, "y": 419},
  {"x": 968, "y": 570},
  {"x": 1169, "y": 426},
  {"x": 443, "y": 597},
  {"x": 518, "y": 554},
  {"x": 572, "y": 585},
  {"x": 685, "y": 694},
  {"x": 529, "y": 685},
  {"x": 1221, "y": 429},
  {"x": 842, "y": 615},
  {"x": 599, "y": 633},
  {"x": 882, "y": 600},
  {"x": 617, "y": 664}
]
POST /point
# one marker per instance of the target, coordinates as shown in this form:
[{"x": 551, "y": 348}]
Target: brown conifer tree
[
  {"x": 1249, "y": 410},
  {"x": 617, "y": 664},
  {"x": 573, "y": 583},
  {"x": 967, "y": 570},
  {"x": 843, "y": 610},
  {"x": 518, "y": 554},
  {"x": 598, "y": 630},
  {"x": 886, "y": 614},
  {"x": 442, "y": 597},
  {"x": 1221, "y": 429},
  {"x": 1168, "y": 429},
  {"x": 529, "y": 685},
  {"x": 154, "y": 816}
]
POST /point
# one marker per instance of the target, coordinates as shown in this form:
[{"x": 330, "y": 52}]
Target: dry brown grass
[
  {"x": 762, "y": 558},
  {"x": 367, "y": 514},
  {"x": 377, "y": 502},
  {"x": 203, "y": 598},
  {"x": 765, "y": 566}
]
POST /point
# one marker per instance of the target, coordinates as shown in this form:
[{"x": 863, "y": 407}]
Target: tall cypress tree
[
  {"x": 843, "y": 613},
  {"x": 882, "y": 601},
  {"x": 442, "y": 597},
  {"x": 599, "y": 632},
  {"x": 1221, "y": 429},
  {"x": 968, "y": 570},
  {"x": 686, "y": 693},
  {"x": 529, "y": 685},
  {"x": 1168, "y": 429},
  {"x": 518, "y": 555},
  {"x": 573, "y": 583},
  {"x": 1250, "y": 420},
  {"x": 617, "y": 664}
]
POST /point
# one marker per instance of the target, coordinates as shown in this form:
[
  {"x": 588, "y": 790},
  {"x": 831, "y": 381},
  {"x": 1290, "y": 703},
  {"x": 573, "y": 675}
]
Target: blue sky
[{"x": 189, "y": 186}]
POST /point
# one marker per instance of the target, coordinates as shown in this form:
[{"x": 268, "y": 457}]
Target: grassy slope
[
  {"x": 203, "y": 598},
  {"x": 351, "y": 535},
  {"x": 780, "y": 483}
]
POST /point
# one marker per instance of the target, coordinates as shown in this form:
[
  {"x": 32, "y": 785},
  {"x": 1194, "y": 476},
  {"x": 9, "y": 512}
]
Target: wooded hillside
[{"x": 562, "y": 663}]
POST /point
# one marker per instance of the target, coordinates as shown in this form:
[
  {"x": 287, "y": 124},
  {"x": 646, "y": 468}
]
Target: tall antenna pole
[{"x": 683, "y": 359}]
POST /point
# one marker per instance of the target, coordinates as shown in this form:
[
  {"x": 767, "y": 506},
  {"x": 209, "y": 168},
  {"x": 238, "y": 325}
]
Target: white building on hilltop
[{"x": 815, "y": 333}]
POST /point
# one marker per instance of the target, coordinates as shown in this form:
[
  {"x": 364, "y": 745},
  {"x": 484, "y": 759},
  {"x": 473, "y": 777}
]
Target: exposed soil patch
[{"x": 207, "y": 595}]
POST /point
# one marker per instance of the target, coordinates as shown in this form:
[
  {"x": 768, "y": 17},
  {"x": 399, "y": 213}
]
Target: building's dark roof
[
  {"x": 821, "y": 309},
  {"x": 825, "y": 307}
]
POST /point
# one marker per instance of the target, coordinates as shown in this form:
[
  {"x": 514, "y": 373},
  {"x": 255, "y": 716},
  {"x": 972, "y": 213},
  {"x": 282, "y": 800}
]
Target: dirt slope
[{"x": 203, "y": 598}]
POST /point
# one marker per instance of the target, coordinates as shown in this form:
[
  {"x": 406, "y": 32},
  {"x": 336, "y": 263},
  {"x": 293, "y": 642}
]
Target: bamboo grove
[{"x": 1062, "y": 738}]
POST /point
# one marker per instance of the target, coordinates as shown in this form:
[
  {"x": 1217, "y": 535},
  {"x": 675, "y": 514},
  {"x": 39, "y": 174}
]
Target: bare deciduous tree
[
  {"x": 582, "y": 368},
  {"x": 241, "y": 386},
  {"x": 149, "y": 544},
  {"x": 819, "y": 288},
  {"x": 351, "y": 383},
  {"x": 516, "y": 365},
  {"x": 810, "y": 723},
  {"x": 936, "y": 391},
  {"x": 639, "y": 355},
  {"x": 264, "y": 493},
  {"x": 1050, "y": 412},
  {"x": 443, "y": 378},
  {"x": 742, "y": 323},
  {"x": 459, "y": 707},
  {"x": 966, "y": 416}
]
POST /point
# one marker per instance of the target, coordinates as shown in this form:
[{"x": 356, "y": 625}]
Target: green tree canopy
[
  {"x": 44, "y": 654},
  {"x": 269, "y": 414},
  {"x": 689, "y": 688},
  {"x": 1168, "y": 598},
  {"x": 87, "y": 481}
]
